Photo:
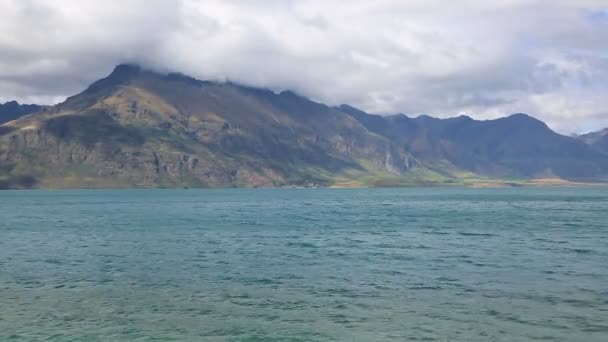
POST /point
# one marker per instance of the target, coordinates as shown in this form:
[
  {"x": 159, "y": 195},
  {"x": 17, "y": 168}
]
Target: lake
[{"x": 411, "y": 264}]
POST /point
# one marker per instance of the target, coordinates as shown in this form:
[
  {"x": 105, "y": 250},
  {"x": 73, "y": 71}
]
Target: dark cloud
[{"x": 485, "y": 59}]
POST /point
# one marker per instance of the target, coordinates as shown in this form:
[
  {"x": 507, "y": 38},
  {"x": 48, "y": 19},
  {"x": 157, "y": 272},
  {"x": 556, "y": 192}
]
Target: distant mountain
[
  {"x": 12, "y": 110},
  {"x": 138, "y": 128},
  {"x": 515, "y": 146},
  {"x": 598, "y": 140}
]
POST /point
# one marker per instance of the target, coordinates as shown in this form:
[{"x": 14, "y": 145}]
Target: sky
[{"x": 485, "y": 59}]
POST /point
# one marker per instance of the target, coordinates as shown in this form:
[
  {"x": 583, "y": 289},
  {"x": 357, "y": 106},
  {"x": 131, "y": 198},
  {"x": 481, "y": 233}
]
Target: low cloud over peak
[{"x": 485, "y": 59}]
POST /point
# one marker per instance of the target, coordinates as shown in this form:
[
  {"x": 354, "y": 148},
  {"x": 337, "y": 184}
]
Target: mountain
[
  {"x": 517, "y": 146},
  {"x": 12, "y": 110},
  {"x": 139, "y": 128},
  {"x": 598, "y": 140}
]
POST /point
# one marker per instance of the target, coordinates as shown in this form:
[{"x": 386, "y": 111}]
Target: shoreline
[{"x": 489, "y": 184}]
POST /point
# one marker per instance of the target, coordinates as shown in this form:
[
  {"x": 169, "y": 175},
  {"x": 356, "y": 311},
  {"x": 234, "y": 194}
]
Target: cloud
[{"x": 484, "y": 59}]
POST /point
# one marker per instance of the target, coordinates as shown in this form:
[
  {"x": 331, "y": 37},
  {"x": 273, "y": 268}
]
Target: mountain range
[{"x": 140, "y": 128}]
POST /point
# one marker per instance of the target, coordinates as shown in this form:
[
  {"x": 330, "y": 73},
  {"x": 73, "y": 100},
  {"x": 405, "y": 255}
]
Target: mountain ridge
[
  {"x": 597, "y": 140},
  {"x": 140, "y": 128},
  {"x": 517, "y": 145},
  {"x": 13, "y": 110}
]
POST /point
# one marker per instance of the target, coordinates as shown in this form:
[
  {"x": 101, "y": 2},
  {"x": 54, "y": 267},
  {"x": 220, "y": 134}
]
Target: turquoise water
[{"x": 304, "y": 265}]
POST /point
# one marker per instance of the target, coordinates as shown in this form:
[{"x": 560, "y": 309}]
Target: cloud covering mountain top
[{"x": 484, "y": 59}]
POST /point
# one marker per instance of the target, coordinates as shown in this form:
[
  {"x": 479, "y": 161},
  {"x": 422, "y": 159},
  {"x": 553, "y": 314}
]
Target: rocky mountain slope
[
  {"x": 137, "y": 128},
  {"x": 517, "y": 146}
]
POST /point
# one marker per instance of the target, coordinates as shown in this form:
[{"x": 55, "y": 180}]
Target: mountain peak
[
  {"x": 426, "y": 117},
  {"x": 121, "y": 73},
  {"x": 125, "y": 70},
  {"x": 524, "y": 119},
  {"x": 350, "y": 109},
  {"x": 520, "y": 115}
]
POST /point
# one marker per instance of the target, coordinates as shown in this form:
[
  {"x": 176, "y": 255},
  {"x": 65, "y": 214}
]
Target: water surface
[{"x": 427, "y": 264}]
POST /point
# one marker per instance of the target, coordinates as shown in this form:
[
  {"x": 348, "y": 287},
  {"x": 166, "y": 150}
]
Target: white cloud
[{"x": 485, "y": 59}]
